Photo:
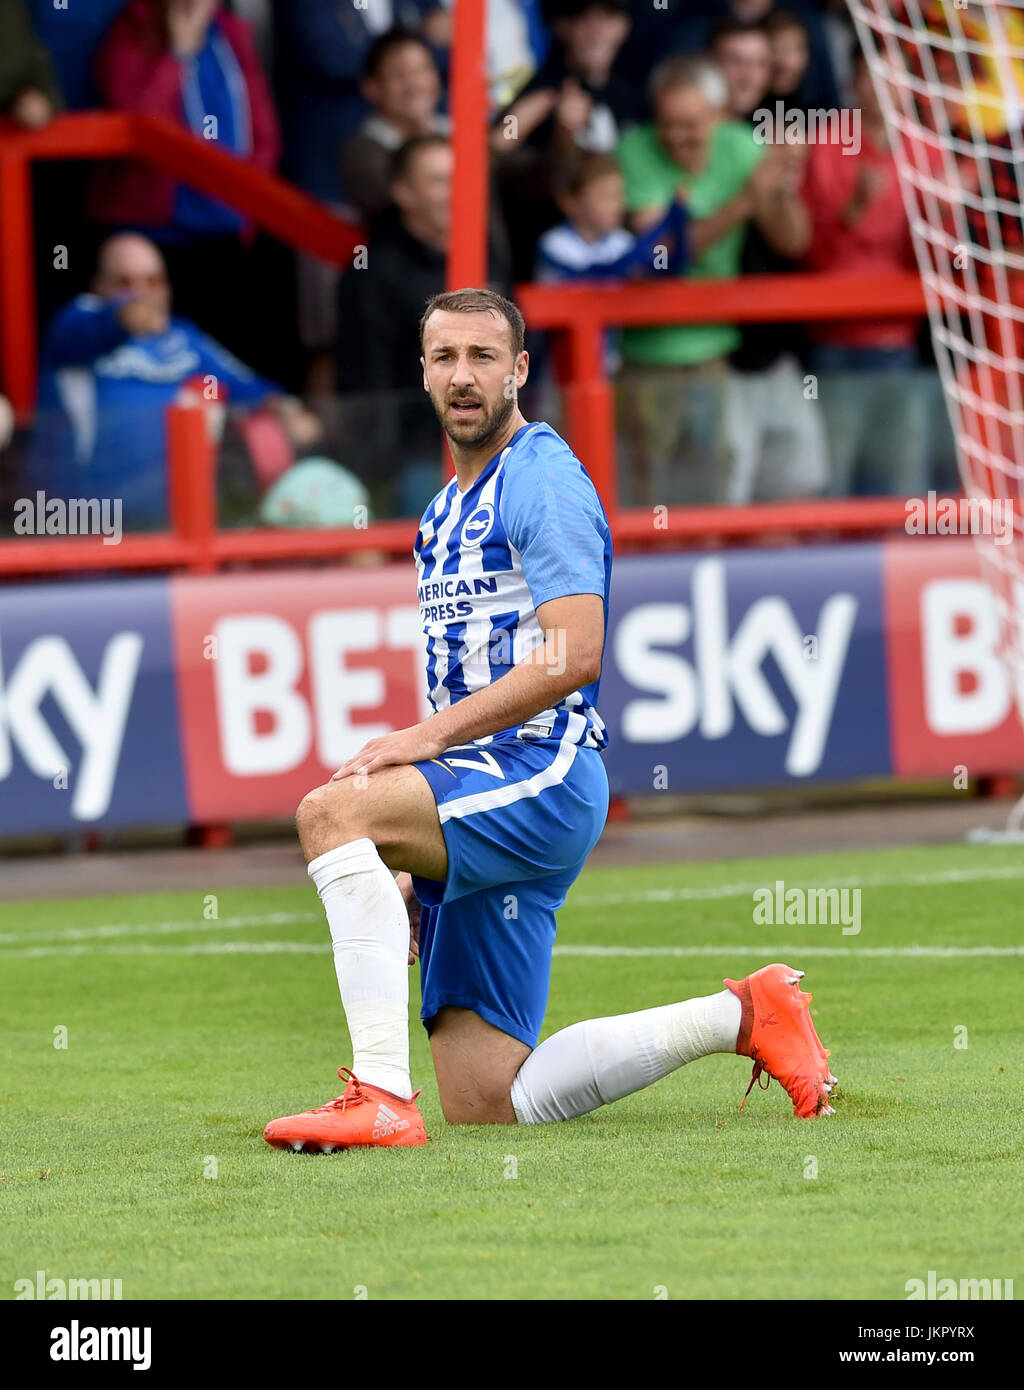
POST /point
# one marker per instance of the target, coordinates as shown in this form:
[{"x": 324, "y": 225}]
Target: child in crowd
[{"x": 593, "y": 244}]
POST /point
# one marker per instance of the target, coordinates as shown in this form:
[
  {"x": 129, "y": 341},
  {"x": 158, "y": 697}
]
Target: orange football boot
[
  {"x": 364, "y": 1116},
  {"x": 777, "y": 1032}
]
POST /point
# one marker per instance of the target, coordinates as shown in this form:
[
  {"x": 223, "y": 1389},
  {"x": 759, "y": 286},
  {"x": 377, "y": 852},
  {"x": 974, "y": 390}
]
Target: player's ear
[
  {"x": 522, "y": 368},
  {"x": 423, "y": 364}
]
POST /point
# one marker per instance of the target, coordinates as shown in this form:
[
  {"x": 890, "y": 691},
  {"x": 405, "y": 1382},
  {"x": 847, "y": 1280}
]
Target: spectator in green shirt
[{"x": 674, "y": 378}]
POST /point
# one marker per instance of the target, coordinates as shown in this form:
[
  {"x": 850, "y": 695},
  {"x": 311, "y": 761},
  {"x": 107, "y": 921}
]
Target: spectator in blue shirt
[{"x": 112, "y": 362}]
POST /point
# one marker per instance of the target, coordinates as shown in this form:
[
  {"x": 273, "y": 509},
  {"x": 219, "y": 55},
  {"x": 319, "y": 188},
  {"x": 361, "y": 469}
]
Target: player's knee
[
  {"x": 328, "y": 816},
  {"x": 309, "y": 815}
]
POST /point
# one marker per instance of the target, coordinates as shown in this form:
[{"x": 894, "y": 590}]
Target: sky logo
[
  {"x": 89, "y": 732},
  {"x": 700, "y": 668}
]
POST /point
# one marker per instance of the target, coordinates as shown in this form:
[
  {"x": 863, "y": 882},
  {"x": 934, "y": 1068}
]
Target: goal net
[{"x": 949, "y": 75}]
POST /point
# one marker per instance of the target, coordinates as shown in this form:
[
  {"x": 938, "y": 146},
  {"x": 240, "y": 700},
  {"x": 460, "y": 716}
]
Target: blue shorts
[{"x": 519, "y": 820}]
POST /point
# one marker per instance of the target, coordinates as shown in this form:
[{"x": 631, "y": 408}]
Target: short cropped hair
[{"x": 473, "y": 301}]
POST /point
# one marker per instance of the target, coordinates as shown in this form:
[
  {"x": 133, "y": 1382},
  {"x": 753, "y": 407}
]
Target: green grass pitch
[{"x": 135, "y": 1152}]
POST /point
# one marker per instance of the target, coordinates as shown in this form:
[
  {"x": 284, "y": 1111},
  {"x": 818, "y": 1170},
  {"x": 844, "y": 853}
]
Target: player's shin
[
  {"x": 369, "y": 926},
  {"x": 603, "y": 1059}
]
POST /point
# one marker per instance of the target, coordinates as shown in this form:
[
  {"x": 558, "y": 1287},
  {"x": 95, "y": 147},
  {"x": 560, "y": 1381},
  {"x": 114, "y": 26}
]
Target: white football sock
[
  {"x": 369, "y": 926},
  {"x": 603, "y": 1059}
]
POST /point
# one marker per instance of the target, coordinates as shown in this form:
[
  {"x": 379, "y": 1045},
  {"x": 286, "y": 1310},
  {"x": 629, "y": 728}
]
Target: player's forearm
[{"x": 533, "y": 685}]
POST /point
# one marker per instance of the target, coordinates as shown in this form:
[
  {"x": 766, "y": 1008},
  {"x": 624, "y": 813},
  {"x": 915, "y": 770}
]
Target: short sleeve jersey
[{"x": 530, "y": 528}]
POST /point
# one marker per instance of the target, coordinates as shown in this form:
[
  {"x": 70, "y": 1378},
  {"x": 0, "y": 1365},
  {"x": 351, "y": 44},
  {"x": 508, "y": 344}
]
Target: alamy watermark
[
  {"x": 56, "y": 1288},
  {"x": 72, "y": 516},
  {"x": 78, "y": 1343},
  {"x": 816, "y": 907},
  {"x": 942, "y": 1289},
  {"x": 960, "y": 516},
  {"x": 820, "y": 126}
]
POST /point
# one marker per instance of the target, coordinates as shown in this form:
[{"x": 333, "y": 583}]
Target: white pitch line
[
  {"x": 271, "y": 948},
  {"x": 274, "y": 919},
  {"x": 937, "y": 952},
  {"x": 723, "y": 890},
  {"x": 740, "y": 890},
  {"x": 205, "y": 948}
]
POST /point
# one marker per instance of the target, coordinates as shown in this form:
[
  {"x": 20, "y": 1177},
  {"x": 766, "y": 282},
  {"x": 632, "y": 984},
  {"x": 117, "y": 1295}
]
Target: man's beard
[{"x": 489, "y": 424}]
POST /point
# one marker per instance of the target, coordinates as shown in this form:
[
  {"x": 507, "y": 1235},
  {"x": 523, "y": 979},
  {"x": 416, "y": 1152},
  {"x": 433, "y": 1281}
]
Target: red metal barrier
[
  {"x": 581, "y": 314},
  {"x": 192, "y": 482},
  {"x": 195, "y": 544}
]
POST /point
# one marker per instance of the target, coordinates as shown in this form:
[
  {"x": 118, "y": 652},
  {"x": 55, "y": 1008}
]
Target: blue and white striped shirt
[{"x": 531, "y": 528}]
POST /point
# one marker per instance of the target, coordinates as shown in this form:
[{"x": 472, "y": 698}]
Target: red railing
[
  {"x": 582, "y": 315},
  {"x": 578, "y": 315}
]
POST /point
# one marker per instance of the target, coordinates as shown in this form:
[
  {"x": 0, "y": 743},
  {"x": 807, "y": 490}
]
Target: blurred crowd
[{"x": 627, "y": 140}]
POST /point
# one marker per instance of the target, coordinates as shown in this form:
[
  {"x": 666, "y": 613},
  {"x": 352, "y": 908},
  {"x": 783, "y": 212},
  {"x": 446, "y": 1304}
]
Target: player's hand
[
  {"x": 412, "y": 745},
  {"x": 412, "y": 904}
]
